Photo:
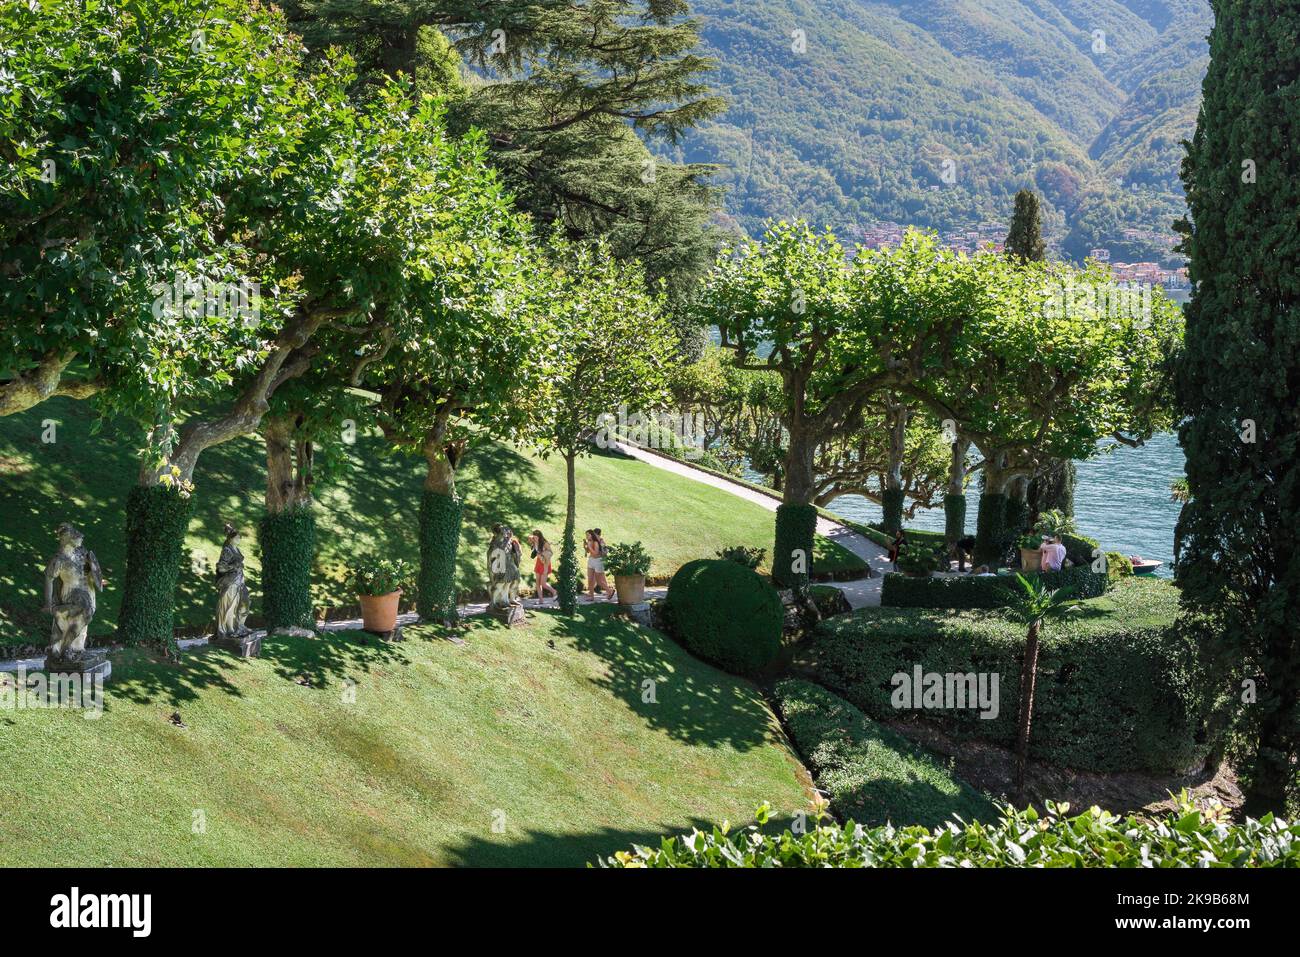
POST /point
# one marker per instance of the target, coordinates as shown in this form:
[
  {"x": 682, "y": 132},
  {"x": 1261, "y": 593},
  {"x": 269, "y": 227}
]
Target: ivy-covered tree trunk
[
  {"x": 1238, "y": 388},
  {"x": 566, "y": 586},
  {"x": 157, "y": 517},
  {"x": 287, "y": 532},
  {"x": 991, "y": 520},
  {"x": 896, "y": 417},
  {"x": 796, "y": 518},
  {"x": 440, "y": 518},
  {"x": 954, "y": 499}
]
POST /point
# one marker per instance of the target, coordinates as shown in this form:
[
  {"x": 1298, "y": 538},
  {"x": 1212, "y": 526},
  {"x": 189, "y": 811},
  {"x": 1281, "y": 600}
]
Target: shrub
[
  {"x": 379, "y": 576},
  {"x": 1119, "y": 687},
  {"x": 1118, "y": 566},
  {"x": 918, "y": 559},
  {"x": 1054, "y": 522},
  {"x": 749, "y": 556},
  {"x": 980, "y": 591},
  {"x": 1190, "y": 837},
  {"x": 624, "y": 559},
  {"x": 796, "y": 526},
  {"x": 288, "y": 543},
  {"x": 440, "y": 518},
  {"x": 726, "y": 614},
  {"x": 156, "y": 519},
  {"x": 873, "y": 775},
  {"x": 829, "y": 600},
  {"x": 1079, "y": 548},
  {"x": 1031, "y": 542}
]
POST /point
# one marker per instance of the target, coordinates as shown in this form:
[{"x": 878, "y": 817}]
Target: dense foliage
[
  {"x": 1190, "y": 837},
  {"x": 872, "y": 774},
  {"x": 1120, "y": 687},
  {"x": 1239, "y": 385},
  {"x": 156, "y": 517},
  {"x": 726, "y": 614},
  {"x": 979, "y": 591},
  {"x": 288, "y": 543}
]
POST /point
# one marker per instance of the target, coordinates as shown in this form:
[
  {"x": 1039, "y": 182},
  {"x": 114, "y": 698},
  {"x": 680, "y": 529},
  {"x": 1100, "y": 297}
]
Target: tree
[
  {"x": 1238, "y": 386},
  {"x": 1025, "y": 238},
  {"x": 612, "y": 348},
  {"x": 1034, "y": 605},
  {"x": 570, "y": 85},
  {"x": 115, "y": 120}
]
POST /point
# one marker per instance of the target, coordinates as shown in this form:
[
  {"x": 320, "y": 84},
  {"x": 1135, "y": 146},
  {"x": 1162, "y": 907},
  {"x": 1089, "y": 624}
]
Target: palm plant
[
  {"x": 1054, "y": 522},
  {"x": 1033, "y": 604}
]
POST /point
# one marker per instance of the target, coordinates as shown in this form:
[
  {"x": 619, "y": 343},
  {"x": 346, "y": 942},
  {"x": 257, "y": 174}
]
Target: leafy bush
[
  {"x": 726, "y": 614},
  {"x": 288, "y": 543},
  {"x": 1190, "y": 837},
  {"x": 873, "y": 775},
  {"x": 917, "y": 559},
  {"x": 829, "y": 600},
  {"x": 1118, "y": 566},
  {"x": 1119, "y": 687},
  {"x": 980, "y": 591},
  {"x": 1031, "y": 542},
  {"x": 1079, "y": 548},
  {"x": 1054, "y": 522},
  {"x": 624, "y": 559},
  {"x": 380, "y": 576},
  {"x": 749, "y": 556}
]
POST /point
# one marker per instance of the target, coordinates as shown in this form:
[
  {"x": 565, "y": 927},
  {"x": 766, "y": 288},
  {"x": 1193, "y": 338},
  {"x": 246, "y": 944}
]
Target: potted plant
[
  {"x": 629, "y": 565},
  {"x": 378, "y": 583},
  {"x": 1054, "y": 522},
  {"x": 1030, "y": 557}
]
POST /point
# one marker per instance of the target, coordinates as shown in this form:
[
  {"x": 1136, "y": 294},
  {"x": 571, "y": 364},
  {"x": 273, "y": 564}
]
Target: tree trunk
[
  {"x": 1273, "y": 770},
  {"x": 440, "y": 520},
  {"x": 287, "y": 532},
  {"x": 954, "y": 500},
  {"x": 568, "y": 570},
  {"x": 897, "y": 416},
  {"x": 990, "y": 522},
  {"x": 1028, "y": 678}
]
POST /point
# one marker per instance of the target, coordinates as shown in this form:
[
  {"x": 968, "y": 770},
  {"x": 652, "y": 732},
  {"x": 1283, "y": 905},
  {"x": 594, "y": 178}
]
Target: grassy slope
[
  {"x": 439, "y": 738},
  {"x": 372, "y": 506}
]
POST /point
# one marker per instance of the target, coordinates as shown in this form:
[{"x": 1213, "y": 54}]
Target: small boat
[{"x": 1143, "y": 567}]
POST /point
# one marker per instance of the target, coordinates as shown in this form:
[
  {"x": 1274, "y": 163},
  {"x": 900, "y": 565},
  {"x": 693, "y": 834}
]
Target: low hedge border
[
  {"x": 873, "y": 774},
  {"x": 1190, "y": 837},
  {"x": 1119, "y": 688},
  {"x": 980, "y": 591}
]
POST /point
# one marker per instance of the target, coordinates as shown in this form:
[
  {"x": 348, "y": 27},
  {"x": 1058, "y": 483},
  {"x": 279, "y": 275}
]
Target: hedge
[
  {"x": 1119, "y": 688},
  {"x": 440, "y": 517},
  {"x": 1079, "y": 548},
  {"x": 288, "y": 543},
  {"x": 796, "y": 526},
  {"x": 1189, "y": 837},
  {"x": 872, "y": 774},
  {"x": 726, "y": 614},
  {"x": 156, "y": 519},
  {"x": 980, "y": 591}
]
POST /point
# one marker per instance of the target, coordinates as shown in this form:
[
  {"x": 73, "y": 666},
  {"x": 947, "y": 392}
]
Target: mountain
[{"x": 935, "y": 112}]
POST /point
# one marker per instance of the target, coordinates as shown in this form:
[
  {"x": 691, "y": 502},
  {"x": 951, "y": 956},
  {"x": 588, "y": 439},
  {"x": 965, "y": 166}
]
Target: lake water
[{"x": 1121, "y": 499}]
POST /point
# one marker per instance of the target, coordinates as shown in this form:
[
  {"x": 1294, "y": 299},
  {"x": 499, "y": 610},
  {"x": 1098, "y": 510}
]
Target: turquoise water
[{"x": 1121, "y": 499}]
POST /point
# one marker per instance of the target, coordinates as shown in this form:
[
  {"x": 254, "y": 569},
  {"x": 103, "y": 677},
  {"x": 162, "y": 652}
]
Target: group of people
[
  {"x": 593, "y": 545},
  {"x": 1051, "y": 553}
]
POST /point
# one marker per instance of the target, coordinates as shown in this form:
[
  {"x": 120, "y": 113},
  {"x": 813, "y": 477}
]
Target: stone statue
[
  {"x": 503, "y": 569},
  {"x": 71, "y": 579},
  {"x": 232, "y": 592}
]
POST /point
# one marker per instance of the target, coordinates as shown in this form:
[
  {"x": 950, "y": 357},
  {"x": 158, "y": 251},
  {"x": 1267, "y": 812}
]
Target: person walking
[
  {"x": 542, "y": 556},
  {"x": 897, "y": 546},
  {"x": 595, "y": 548}
]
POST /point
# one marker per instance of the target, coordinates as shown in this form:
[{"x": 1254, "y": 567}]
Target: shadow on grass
[
  {"x": 692, "y": 702},
  {"x": 142, "y": 677},
  {"x": 332, "y": 656},
  {"x": 546, "y": 849}
]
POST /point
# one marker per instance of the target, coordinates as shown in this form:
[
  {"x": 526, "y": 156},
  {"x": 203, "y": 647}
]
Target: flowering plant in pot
[
  {"x": 1030, "y": 558},
  {"x": 629, "y": 564},
  {"x": 379, "y": 583}
]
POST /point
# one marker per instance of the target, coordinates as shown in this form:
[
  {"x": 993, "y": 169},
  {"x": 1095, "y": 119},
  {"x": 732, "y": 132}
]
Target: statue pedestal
[
  {"x": 89, "y": 664},
  {"x": 512, "y": 616},
  {"x": 242, "y": 646}
]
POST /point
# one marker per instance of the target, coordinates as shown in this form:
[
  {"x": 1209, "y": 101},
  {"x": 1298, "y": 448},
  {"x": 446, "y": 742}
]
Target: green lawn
[
  {"x": 371, "y": 505},
  {"x": 555, "y": 747}
]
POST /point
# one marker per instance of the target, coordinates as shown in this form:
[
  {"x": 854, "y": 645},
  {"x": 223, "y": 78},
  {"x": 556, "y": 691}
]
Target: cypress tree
[
  {"x": 1238, "y": 386},
  {"x": 1025, "y": 239}
]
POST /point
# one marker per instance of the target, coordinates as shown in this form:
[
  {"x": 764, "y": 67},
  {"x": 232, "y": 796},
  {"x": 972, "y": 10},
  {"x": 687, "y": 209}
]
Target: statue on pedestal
[
  {"x": 232, "y": 591},
  {"x": 72, "y": 578},
  {"x": 504, "y": 552}
]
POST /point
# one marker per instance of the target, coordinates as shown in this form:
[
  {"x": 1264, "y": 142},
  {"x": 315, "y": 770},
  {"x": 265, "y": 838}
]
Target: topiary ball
[{"x": 726, "y": 614}]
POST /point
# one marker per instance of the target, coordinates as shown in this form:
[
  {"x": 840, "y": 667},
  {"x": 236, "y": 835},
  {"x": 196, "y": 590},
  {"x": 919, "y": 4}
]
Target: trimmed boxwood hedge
[
  {"x": 726, "y": 614},
  {"x": 980, "y": 591},
  {"x": 440, "y": 517},
  {"x": 873, "y": 774},
  {"x": 156, "y": 520},
  {"x": 1119, "y": 689},
  {"x": 288, "y": 543}
]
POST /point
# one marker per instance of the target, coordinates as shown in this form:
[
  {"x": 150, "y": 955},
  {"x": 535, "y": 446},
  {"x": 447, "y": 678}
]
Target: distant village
[{"x": 989, "y": 236}]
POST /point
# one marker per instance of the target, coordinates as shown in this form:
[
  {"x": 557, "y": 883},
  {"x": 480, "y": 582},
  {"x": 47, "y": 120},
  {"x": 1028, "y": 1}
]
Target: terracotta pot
[
  {"x": 379, "y": 612},
  {"x": 1030, "y": 559},
  {"x": 630, "y": 588}
]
